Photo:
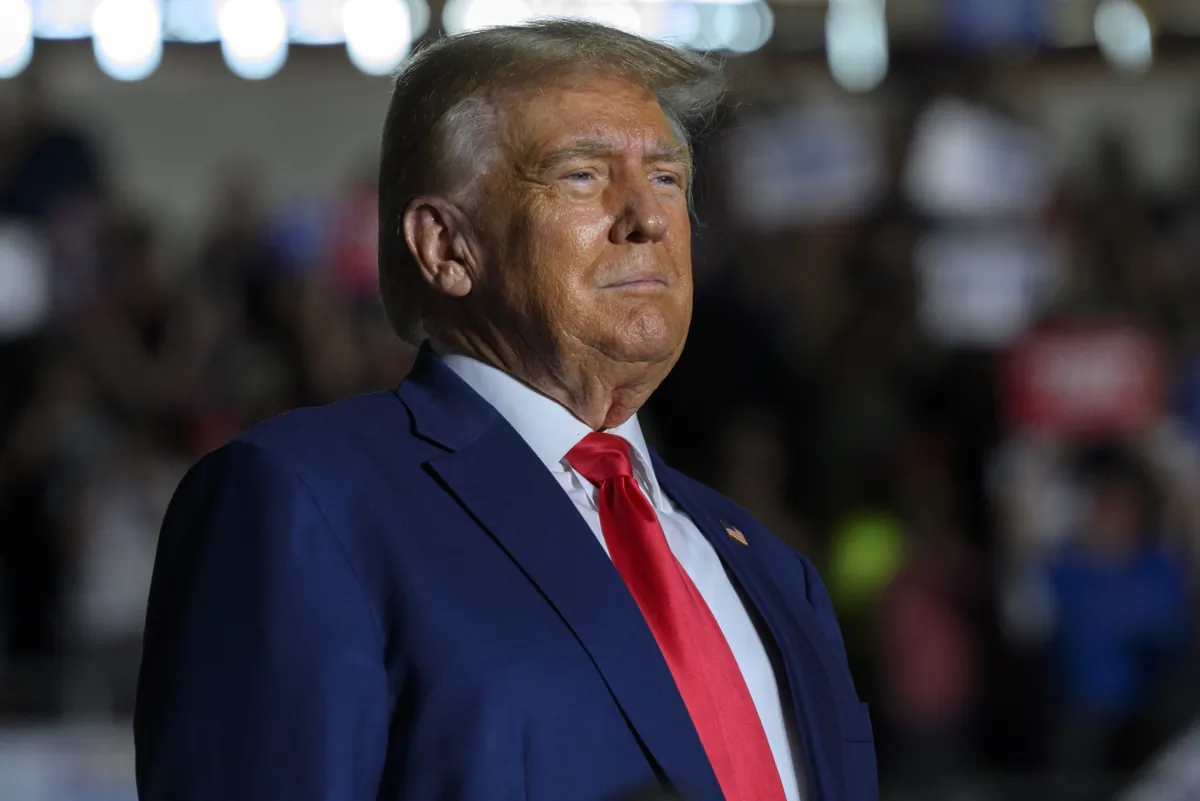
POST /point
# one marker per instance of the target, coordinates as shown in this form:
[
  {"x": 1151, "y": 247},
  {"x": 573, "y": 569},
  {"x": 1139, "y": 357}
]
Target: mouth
[{"x": 637, "y": 282}]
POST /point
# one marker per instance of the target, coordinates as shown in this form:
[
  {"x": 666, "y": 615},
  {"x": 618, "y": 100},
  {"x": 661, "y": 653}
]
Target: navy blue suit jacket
[{"x": 391, "y": 598}]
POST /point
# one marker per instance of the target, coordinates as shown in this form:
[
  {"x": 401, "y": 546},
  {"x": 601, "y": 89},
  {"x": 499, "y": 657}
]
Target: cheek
[
  {"x": 568, "y": 248},
  {"x": 678, "y": 241},
  {"x": 562, "y": 255},
  {"x": 585, "y": 236}
]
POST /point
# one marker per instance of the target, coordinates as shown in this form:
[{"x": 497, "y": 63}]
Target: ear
[{"x": 439, "y": 237}]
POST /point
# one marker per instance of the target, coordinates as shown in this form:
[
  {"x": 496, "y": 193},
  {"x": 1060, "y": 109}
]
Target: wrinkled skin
[{"x": 567, "y": 261}]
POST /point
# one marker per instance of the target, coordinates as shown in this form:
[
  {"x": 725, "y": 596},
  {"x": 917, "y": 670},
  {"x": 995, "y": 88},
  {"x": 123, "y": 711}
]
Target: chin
[
  {"x": 644, "y": 352},
  {"x": 649, "y": 336}
]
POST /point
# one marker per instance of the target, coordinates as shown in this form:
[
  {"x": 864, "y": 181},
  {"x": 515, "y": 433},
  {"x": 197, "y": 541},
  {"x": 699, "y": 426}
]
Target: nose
[{"x": 642, "y": 219}]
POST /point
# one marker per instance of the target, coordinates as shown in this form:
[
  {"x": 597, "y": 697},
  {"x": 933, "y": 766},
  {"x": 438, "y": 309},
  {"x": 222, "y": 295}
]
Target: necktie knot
[{"x": 599, "y": 457}]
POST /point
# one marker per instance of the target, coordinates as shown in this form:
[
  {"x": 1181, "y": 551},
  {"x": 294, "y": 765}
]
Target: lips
[{"x": 634, "y": 281}]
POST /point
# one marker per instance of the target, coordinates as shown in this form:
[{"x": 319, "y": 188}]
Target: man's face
[{"x": 584, "y": 225}]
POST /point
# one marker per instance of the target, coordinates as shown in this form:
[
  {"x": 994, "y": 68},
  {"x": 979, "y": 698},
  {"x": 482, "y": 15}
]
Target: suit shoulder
[
  {"x": 307, "y": 443},
  {"x": 317, "y": 434}
]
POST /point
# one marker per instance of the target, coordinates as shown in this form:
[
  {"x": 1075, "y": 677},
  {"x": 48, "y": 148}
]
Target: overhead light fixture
[
  {"x": 1124, "y": 35},
  {"x": 378, "y": 34},
  {"x": 62, "y": 19},
  {"x": 193, "y": 21},
  {"x": 16, "y": 37},
  {"x": 471, "y": 15},
  {"x": 253, "y": 37},
  {"x": 856, "y": 43},
  {"x": 127, "y": 38}
]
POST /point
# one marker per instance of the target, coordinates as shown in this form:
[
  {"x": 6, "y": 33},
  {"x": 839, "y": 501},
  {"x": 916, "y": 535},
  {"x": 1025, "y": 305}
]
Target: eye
[
  {"x": 580, "y": 175},
  {"x": 667, "y": 179}
]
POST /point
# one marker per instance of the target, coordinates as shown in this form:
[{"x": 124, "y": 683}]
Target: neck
[{"x": 600, "y": 392}]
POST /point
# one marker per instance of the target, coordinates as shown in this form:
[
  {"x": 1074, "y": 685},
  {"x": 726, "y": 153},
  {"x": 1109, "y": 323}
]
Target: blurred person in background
[
  {"x": 235, "y": 260},
  {"x": 929, "y": 647},
  {"x": 51, "y": 188},
  {"x": 484, "y": 580},
  {"x": 148, "y": 339},
  {"x": 1120, "y": 612},
  {"x": 109, "y": 564},
  {"x": 45, "y": 162},
  {"x": 755, "y": 463},
  {"x": 355, "y": 240},
  {"x": 52, "y": 176},
  {"x": 36, "y": 465}
]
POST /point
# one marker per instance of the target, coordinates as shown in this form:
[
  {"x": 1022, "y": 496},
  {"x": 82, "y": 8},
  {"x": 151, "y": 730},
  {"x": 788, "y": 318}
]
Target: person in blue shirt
[{"x": 1122, "y": 619}]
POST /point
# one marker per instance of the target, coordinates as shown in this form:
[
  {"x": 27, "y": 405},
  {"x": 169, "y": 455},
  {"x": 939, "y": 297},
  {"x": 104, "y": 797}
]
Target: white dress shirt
[{"x": 551, "y": 431}]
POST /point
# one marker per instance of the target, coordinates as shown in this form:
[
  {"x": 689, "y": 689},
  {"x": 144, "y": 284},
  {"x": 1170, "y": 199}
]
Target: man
[{"x": 483, "y": 585}]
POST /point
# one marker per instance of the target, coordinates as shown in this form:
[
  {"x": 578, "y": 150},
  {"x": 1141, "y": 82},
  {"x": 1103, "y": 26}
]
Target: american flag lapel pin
[{"x": 734, "y": 533}]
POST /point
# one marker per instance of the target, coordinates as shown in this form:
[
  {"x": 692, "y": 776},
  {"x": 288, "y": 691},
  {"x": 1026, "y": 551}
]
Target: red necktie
[{"x": 696, "y": 651}]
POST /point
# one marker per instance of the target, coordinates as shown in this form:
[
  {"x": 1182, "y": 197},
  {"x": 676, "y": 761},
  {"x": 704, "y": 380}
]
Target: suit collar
[
  {"x": 444, "y": 408},
  {"x": 547, "y": 427},
  {"x": 453, "y": 399}
]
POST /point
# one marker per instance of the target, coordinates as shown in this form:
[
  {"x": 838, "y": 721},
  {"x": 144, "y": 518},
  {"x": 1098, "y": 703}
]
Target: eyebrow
[{"x": 590, "y": 148}]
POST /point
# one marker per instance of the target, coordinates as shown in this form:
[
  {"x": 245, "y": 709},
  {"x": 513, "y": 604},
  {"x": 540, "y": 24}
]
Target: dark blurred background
[{"x": 947, "y": 342}]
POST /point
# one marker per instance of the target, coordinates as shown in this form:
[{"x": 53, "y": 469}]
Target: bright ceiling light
[
  {"x": 608, "y": 12},
  {"x": 62, "y": 19},
  {"x": 253, "y": 37},
  {"x": 192, "y": 21},
  {"x": 378, "y": 34},
  {"x": 714, "y": 30},
  {"x": 856, "y": 43},
  {"x": 315, "y": 22},
  {"x": 671, "y": 21},
  {"x": 471, "y": 15},
  {"x": 127, "y": 38},
  {"x": 418, "y": 14},
  {"x": 744, "y": 27},
  {"x": 739, "y": 26},
  {"x": 1124, "y": 35},
  {"x": 16, "y": 36}
]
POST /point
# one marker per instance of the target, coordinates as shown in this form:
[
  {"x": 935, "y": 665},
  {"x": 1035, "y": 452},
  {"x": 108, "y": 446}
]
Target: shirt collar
[{"x": 546, "y": 425}]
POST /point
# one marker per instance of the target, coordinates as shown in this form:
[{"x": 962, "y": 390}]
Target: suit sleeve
[{"x": 262, "y": 673}]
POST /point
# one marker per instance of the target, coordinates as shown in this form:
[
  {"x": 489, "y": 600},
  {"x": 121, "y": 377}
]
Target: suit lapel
[
  {"x": 501, "y": 482},
  {"x": 794, "y": 630}
]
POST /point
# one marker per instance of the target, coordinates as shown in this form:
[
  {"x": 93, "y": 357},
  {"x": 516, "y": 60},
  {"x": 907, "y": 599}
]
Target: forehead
[{"x": 555, "y": 113}]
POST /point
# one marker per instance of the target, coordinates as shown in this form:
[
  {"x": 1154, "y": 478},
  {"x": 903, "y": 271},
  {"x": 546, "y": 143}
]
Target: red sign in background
[{"x": 1083, "y": 381}]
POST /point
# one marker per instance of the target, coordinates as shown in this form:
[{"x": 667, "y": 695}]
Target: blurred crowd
[
  {"x": 1017, "y": 595},
  {"x": 124, "y": 360}
]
